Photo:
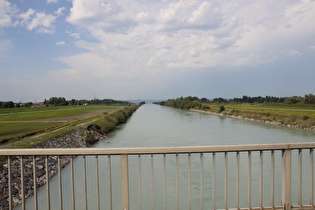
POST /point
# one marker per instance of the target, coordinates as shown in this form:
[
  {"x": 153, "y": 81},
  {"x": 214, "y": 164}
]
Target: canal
[{"x": 158, "y": 126}]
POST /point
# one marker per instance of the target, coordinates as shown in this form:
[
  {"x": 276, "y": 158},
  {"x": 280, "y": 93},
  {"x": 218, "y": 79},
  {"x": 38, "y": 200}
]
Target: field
[
  {"x": 17, "y": 123},
  {"x": 299, "y": 115}
]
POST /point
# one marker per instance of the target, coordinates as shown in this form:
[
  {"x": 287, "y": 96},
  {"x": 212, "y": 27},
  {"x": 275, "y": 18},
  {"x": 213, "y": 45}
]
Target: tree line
[
  {"x": 307, "y": 99},
  {"x": 182, "y": 102},
  {"x": 61, "y": 101},
  {"x": 191, "y": 102}
]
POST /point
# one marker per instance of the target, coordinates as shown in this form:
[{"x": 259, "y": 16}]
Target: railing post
[
  {"x": 286, "y": 179},
  {"x": 124, "y": 182}
]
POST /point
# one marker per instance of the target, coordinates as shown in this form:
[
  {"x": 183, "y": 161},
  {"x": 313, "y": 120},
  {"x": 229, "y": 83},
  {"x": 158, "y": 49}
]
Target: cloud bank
[
  {"x": 158, "y": 36},
  {"x": 153, "y": 47}
]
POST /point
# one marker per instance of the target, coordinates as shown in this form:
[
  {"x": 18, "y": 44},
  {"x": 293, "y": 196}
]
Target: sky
[{"x": 155, "y": 49}]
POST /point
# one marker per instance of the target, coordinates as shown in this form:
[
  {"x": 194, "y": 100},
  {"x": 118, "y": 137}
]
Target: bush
[
  {"x": 108, "y": 123},
  {"x": 120, "y": 116},
  {"x": 205, "y": 107},
  {"x": 235, "y": 112},
  {"x": 305, "y": 117},
  {"x": 110, "y": 120},
  {"x": 222, "y": 108},
  {"x": 90, "y": 138}
]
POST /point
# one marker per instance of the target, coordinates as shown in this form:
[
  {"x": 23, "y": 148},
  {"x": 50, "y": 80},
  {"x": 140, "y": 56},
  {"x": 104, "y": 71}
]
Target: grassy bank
[
  {"x": 300, "y": 116},
  {"x": 21, "y": 122},
  {"x": 109, "y": 121},
  {"x": 53, "y": 113},
  {"x": 41, "y": 125}
]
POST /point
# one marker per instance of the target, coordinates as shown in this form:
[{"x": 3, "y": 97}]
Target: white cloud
[
  {"x": 140, "y": 44},
  {"x": 82, "y": 64},
  {"x": 52, "y": 1},
  {"x": 75, "y": 35},
  {"x": 59, "y": 11},
  {"x": 60, "y": 43},
  {"x": 153, "y": 38},
  {"x": 27, "y": 15},
  {"x": 293, "y": 53},
  {"x": 41, "y": 22},
  {"x": 6, "y": 12},
  {"x": 109, "y": 16},
  {"x": 199, "y": 15}
]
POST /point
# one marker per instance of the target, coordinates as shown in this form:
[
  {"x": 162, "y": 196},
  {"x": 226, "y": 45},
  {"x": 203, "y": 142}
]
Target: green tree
[
  {"x": 56, "y": 101},
  {"x": 309, "y": 99},
  {"x": 293, "y": 100},
  {"x": 73, "y": 102},
  {"x": 204, "y": 100},
  {"x": 28, "y": 104},
  {"x": 7, "y": 104}
]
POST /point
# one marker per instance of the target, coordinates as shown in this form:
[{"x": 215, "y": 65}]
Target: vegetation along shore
[
  {"x": 297, "y": 112},
  {"x": 64, "y": 127},
  {"x": 25, "y": 127}
]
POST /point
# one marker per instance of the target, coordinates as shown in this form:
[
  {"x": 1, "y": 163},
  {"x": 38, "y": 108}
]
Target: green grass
[
  {"x": 116, "y": 117},
  {"x": 109, "y": 121},
  {"x": 14, "y": 129},
  {"x": 51, "y": 108},
  {"x": 299, "y": 115},
  {"x": 32, "y": 141},
  {"x": 50, "y": 113},
  {"x": 17, "y": 123}
]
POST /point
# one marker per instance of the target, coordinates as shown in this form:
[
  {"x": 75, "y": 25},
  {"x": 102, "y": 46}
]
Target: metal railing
[{"x": 258, "y": 176}]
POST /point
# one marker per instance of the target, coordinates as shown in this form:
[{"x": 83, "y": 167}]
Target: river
[{"x": 158, "y": 126}]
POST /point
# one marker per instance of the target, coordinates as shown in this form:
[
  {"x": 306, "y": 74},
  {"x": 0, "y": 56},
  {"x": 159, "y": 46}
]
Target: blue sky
[{"x": 157, "y": 49}]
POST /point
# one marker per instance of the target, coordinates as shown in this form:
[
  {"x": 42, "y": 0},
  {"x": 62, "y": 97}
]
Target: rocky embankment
[
  {"x": 75, "y": 139},
  {"x": 259, "y": 119}
]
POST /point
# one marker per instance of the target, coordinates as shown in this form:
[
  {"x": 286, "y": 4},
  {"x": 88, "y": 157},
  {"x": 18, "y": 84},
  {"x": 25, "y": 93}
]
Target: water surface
[
  {"x": 158, "y": 126},
  {"x": 154, "y": 125}
]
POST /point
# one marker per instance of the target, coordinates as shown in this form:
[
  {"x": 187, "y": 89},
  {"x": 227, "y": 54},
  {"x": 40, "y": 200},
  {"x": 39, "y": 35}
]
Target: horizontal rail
[
  {"x": 219, "y": 176},
  {"x": 158, "y": 150}
]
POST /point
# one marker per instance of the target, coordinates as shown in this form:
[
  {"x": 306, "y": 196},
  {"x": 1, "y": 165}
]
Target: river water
[
  {"x": 154, "y": 125},
  {"x": 158, "y": 126}
]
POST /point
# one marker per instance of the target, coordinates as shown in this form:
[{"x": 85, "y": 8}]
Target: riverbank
[
  {"x": 295, "y": 115},
  {"x": 18, "y": 124},
  {"x": 265, "y": 117},
  {"x": 81, "y": 137}
]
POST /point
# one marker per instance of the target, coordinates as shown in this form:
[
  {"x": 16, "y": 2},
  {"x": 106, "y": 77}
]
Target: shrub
[
  {"x": 305, "y": 117},
  {"x": 93, "y": 127},
  {"x": 107, "y": 123},
  {"x": 90, "y": 138},
  {"x": 235, "y": 112},
  {"x": 205, "y": 107},
  {"x": 110, "y": 120},
  {"x": 222, "y": 108},
  {"x": 120, "y": 116}
]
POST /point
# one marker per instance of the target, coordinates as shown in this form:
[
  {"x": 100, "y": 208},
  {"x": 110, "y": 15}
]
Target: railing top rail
[{"x": 158, "y": 150}]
